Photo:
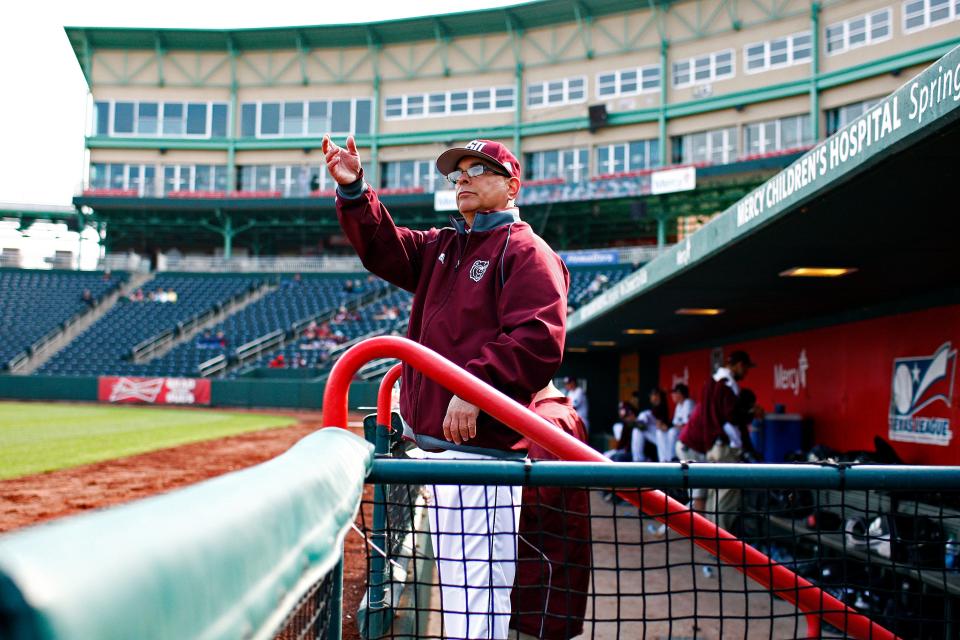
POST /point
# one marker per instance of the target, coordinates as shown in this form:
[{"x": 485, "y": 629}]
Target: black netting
[
  {"x": 310, "y": 617},
  {"x": 589, "y": 565}
]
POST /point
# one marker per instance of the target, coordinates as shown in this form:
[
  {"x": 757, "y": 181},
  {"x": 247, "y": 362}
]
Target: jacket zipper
[
  {"x": 428, "y": 321},
  {"x": 461, "y": 251}
]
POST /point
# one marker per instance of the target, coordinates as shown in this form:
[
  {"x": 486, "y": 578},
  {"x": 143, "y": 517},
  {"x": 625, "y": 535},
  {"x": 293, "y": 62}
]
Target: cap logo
[{"x": 475, "y": 145}]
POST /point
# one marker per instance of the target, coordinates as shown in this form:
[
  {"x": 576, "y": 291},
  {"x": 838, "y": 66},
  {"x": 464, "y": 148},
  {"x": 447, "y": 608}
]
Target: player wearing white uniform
[{"x": 578, "y": 398}]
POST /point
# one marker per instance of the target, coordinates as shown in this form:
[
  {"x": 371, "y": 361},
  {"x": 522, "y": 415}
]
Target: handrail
[
  {"x": 212, "y": 366},
  {"x": 385, "y": 394},
  {"x": 771, "y": 575}
]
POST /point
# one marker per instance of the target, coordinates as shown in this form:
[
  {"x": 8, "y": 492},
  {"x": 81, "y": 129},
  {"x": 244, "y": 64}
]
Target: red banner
[
  {"x": 154, "y": 390},
  {"x": 893, "y": 376}
]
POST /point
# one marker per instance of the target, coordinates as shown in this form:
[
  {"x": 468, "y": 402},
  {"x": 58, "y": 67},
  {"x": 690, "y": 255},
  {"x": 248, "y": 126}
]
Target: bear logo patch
[{"x": 478, "y": 269}]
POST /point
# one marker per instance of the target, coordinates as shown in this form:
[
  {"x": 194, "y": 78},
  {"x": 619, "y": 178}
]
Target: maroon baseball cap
[{"x": 493, "y": 152}]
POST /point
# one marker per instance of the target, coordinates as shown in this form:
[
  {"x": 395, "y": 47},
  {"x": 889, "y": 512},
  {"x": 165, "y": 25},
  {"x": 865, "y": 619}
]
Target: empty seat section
[
  {"x": 105, "y": 347},
  {"x": 296, "y": 300},
  {"x": 33, "y": 303}
]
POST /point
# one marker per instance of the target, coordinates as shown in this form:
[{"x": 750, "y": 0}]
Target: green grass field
[{"x": 37, "y": 437}]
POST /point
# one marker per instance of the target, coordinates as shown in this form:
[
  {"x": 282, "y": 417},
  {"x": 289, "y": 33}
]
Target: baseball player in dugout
[{"x": 490, "y": 296}]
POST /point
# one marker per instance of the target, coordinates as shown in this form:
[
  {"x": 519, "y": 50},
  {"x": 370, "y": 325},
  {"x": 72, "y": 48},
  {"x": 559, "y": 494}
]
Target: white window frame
[
  {"x": 649, "y": 143},
  {"x": 127, "y": 179},
  {"x": 953, "y": 12},
  {"x": 495, "y": 94},
  {"x": 869, "y": 19},
  {"x": 864, "y": 105},
  {"x": 111, "y": 117},
  {"x": 777, "y": 143},
  {"x": 791, "y": 56},
  {"x": 730, "y": 155},
  {"x": 576, "y": 166},
  {"x": 423, "y": 171},
  {"x": 713, "y": 77},
  {"x": 305, "y": 118},
  {"x": 565, "y": 97},
  {"x": 652, "y": 69}
]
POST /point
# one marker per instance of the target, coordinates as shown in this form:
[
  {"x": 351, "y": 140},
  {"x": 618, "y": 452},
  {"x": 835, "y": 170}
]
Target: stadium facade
[
  {"x": 634, "y": 126},
  {"x": 216, "y": 132}
]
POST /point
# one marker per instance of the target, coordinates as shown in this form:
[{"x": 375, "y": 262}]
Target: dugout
[{"x": 868, "y": 353}]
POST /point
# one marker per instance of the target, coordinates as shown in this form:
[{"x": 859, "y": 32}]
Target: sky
[
  {"x": 43, "y": 96},
  {"x": 43, "y": 103}
]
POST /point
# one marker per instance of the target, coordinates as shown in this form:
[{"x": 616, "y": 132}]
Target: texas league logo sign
[{"x": 921, "y": 385}]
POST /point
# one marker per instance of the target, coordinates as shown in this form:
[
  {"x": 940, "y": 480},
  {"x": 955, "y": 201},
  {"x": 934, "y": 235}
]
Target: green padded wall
[{"x": 210, "y": 561}]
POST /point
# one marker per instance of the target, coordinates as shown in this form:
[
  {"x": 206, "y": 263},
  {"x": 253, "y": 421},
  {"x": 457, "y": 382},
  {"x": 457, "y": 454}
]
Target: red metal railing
[{"x": 783, "y": 582}]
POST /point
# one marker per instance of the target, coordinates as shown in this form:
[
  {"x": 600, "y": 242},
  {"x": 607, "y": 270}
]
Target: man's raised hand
[{"x": 342, "y": 164}]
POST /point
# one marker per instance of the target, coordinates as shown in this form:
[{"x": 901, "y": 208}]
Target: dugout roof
[{"x": 887, "y": 208}]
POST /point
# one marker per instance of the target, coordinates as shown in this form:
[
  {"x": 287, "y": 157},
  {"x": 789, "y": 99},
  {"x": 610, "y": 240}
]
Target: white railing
[
  {"x": 640, "y": 255},
  {"x": 242, "y": 264},
  {"x": 132, "y": 262}
]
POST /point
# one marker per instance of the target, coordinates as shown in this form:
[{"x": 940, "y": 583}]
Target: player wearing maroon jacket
[{"x": 553, "y": 553}]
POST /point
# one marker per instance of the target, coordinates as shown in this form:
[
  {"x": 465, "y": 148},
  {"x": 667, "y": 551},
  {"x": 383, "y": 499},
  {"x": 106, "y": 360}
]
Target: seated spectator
[
  {"x": 107, "y": 275},
  {"x": 323, "y": 331},
  {"x": 348, "y": 286},
  {"x": 341, "y": 314},
  {"x": 311, "y": 331},
  {"x": 683, "y": 407},
  {"x": 172, "y": 295},
  {"x": 220, "y": 340},
  {"x": 206, "y": 341},
  {"x": 278, "y": 363},
  {"x": 87, "y": 298},
  {"x": 623, "y": 433},
  {"x": 655, "y": 432},
  {"x": 137, "y": 295}
]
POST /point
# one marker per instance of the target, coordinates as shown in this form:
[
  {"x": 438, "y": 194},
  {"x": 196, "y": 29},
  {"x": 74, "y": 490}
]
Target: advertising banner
[
  {"x": 154, "y": 390},
  {"x": 894, "y": 377}
]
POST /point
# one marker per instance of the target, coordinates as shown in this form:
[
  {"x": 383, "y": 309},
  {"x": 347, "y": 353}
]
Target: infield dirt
[{"x": 34, "y": 499}]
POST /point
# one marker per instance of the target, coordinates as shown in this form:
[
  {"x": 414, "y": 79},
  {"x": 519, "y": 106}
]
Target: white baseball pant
[{"x": 474, "y": 534}]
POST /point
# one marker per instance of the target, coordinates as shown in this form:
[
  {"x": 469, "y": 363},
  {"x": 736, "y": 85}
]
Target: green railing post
[
  {"x": 335, "y": 627},
  {"x": 377, "y": 617}
]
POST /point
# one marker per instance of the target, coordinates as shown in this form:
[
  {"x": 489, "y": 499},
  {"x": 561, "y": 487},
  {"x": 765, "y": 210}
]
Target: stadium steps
[
  {"x": 161, "y": 344},
  {"x": 58, "y": 341},
  {"x": 252, "y": 358}
]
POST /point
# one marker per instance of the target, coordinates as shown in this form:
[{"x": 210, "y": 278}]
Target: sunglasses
[{"x": 473, "y": 172}]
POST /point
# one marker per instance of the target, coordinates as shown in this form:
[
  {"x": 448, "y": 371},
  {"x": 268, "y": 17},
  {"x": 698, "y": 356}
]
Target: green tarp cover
[{"x": 220, "y": 559}]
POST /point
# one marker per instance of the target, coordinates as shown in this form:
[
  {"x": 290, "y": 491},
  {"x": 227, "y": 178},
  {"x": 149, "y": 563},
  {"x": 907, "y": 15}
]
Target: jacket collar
[{"x": 487, "y": 220}]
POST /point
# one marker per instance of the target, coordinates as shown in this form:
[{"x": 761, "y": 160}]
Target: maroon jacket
[
  {"x": 492, "y": 300},
  {"x": 716, "y": 407},
  {"x": 549, "y": 597}
]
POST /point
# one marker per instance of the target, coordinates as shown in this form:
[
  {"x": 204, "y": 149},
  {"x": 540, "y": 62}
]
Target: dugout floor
[{"x": 665, "y": 583}]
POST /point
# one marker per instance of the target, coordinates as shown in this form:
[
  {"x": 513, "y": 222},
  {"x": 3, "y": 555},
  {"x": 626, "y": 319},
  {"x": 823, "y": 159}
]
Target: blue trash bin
[{"x": 782, "y": 435}]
